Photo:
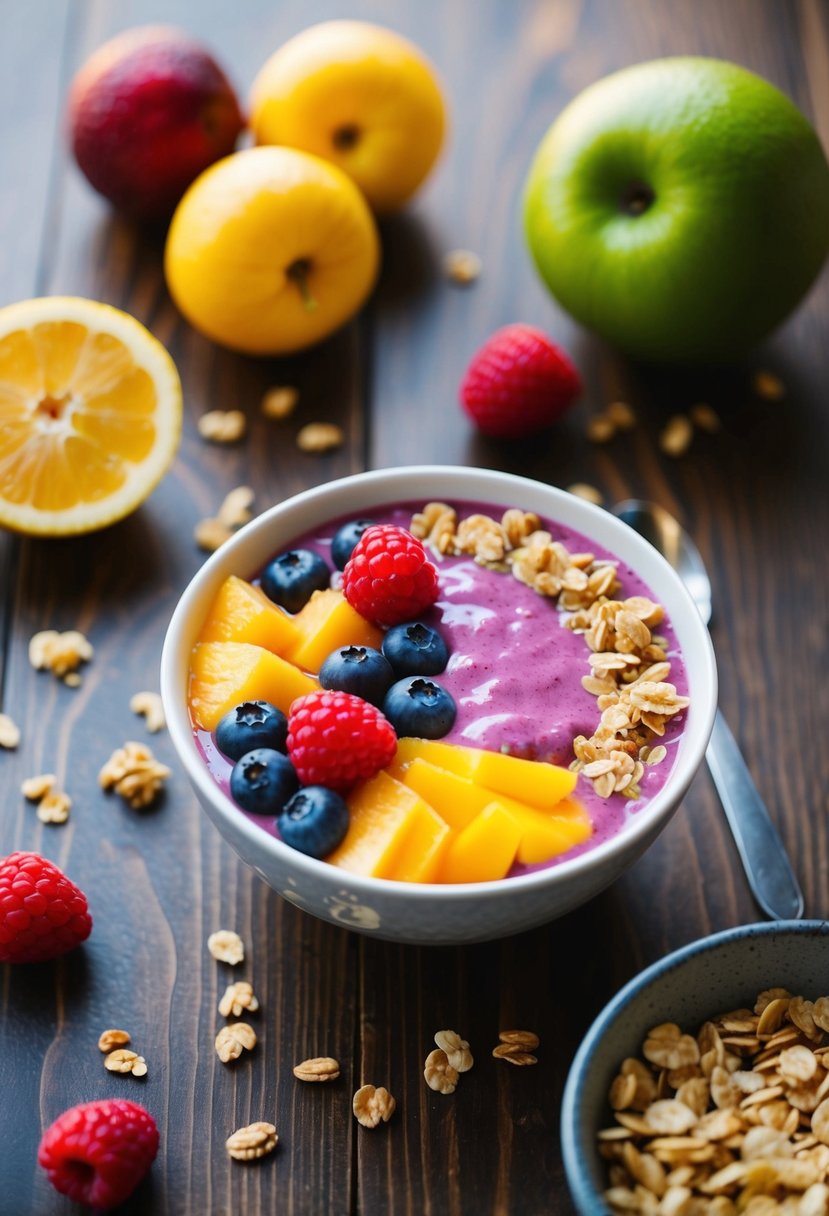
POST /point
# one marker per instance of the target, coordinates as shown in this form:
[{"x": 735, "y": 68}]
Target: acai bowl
[{"x": 518, "y": 691}]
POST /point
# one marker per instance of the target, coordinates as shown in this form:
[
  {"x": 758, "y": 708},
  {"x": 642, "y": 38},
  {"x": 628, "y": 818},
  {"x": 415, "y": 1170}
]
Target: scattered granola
[
  {"x": 705, "y": 418},
  {"x": 456, "y": 1048},
  {"x": 736, "y": 1116},
  {"x": 233, "y": 1039},
  {"x": 252, "y": 1142},
  {"x": 124, "y": 1060},
  {"x": 35, "y": 788},
  {"x": 148, "y": 704},
  {"x": 320, "y": 437},
  {"x": 222, "y": 426},
  {"x": 236, "y": 507},
  {"x": 371, "y": 1105},
  {"x": 9, "y": 732},
  {"x": 133, "y": 772},
  {"x": 675, "y": 437},
  {"x": 211, "y": 534},
  {"x": 60, "y": 653},
  {"x": 582, "y": 489},
  {"x": 320, "y": 1068},
  {"x": 110, "y": 1039},
  {"x": 54, "y": 807},
  {"x": 439, "y": 1073},
  {"x": 621, "y": 415},
  {"x": 238, "y": 998},
  {"x": 516, "y": 1047},
  {"x": 280, "y": 402},
  {"x": 226, "y": 947},
  {"x": 601, "y": 428},
  {"x": 462, "y": 266},
  {"x": 768, "y": 386}
]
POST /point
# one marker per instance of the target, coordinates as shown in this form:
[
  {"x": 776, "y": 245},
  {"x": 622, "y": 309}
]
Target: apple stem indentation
[
  {"x": 637, "y": 197},
  {"x": 298, "y": 273},
  {"x": 345, "y": 137}
]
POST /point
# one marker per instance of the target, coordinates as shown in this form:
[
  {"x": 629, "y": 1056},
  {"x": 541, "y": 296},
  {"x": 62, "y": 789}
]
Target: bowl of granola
[
  {"x": 546, "y": 692},
  {"x": 703, "y": 1086}
]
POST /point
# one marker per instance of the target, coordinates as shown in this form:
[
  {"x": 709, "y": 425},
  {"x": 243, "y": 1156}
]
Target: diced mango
[
  {"x": 223, "y": 674},
  {"x": 535, "y": 782},
  {"x": 456, "y": 799},
  {"x": 443, "y": 755},
  {"x": 392, "y": 833},
  {"x": 243, "y": 613},
  {"x": 545, "y": 834},
  {"x": 484, "y": 850},
  {"x": 325, "y": 623}
]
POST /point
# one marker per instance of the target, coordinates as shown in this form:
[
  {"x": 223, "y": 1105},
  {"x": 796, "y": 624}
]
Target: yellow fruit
[
  {"x": 90, "y": 415},
  {"x": 223, "y": 674},
  {"x": 360, "y": 96},
  {"x": 392, "y": 833},
  {"x": 326, "y": 623},
  {"x": 243, "y": 613},
  {"x": 271, "y": 250},
  {"x": 483, "y": 851},
  {"x": 535, "y": 782}
]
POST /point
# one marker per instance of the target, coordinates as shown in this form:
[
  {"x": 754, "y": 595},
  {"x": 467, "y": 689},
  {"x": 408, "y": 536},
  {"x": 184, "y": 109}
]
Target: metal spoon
[{"x": 761, "y": 850}]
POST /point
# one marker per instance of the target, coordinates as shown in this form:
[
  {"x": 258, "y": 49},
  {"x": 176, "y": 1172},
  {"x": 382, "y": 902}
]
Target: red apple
[{"x": 148, "y": 111}]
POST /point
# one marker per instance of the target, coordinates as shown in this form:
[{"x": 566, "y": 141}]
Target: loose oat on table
[
  {"x": 211, "y": 534},
  {"x": 237, "y": 999},
  {"x": 320, "y": 437},
  {"x": 149, "y": 706},
  {"x": 439, "y": 1074},
  {"x": 54, "y": 807},
  {"x": 125, "y": 1061},
  {"x": 110, "y": 1039},
  {"x": 583, "y": 489},
  {"x": 705, "y": 418},
  {"x": 252, "y": 1142},
  {"x": 226, "y": 947},
  {"x": 280, "y": 401},
  {"x": 372, "y": 1105},
  {"x": 524, "y": 1040},
  {"x": 222, "y": 426},
  {"x": 621, "y": 415},
  {"x": 235, "y": 510},
  {"x": 601, "y": 428},
  {"x": 233, "y": 1039},
  {"x": 133, "y": 772},
  {"x": 462, "y": 266},
  {"x": 35, "y": 788},
  {"x": 768, "y": 386},
  {"x": 9, "y": 732},
  {"x": 456, "y": 1048},
  {"x": 60, "y": 653},
  {"x": 516, "y": 1047},
  {"x": 319, "y": 1068},
  {"x": 676, "y": 436}
]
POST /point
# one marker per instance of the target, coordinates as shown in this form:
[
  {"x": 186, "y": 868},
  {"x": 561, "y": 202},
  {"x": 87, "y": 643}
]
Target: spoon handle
[{"x": 762, "y": 851}]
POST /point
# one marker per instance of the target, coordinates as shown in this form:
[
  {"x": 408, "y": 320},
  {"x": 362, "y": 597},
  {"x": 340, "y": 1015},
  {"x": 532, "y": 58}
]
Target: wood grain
[{"x": 754, "y": 496}]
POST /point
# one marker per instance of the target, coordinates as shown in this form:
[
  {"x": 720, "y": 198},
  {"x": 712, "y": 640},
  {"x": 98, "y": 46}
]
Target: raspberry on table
[
  {"x": 336, "y": 739},
  {"x": 518, "y": 383},
  {"x": 98, "y": 1152},
  {"x": 388, "y": 578},
  {"x": 42, "y": 913}
]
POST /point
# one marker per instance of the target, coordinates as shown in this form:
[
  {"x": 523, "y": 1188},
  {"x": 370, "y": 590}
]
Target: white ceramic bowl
[
  {"x": 717, "y": 973},
  {"x": 450, "y": 913}
]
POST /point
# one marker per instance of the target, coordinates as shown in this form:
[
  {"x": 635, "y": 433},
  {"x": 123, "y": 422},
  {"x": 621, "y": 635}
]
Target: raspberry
[
  {"x": 336, "y": 739},
  {"x": 518, "y": 383},
  {"x": 98, "y": 1152},
  {"x": 42, "y": 913},
  {"x": 388, "y": 579}
]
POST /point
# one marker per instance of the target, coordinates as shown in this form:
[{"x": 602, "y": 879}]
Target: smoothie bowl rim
[{"x": 459, "y": 483}]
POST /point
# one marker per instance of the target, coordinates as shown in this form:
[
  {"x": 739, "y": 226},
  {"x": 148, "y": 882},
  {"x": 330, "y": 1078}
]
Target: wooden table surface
[{"x": 754, "y": 496}]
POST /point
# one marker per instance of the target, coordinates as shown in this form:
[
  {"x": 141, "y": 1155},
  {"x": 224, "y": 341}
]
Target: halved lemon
[{"x": 90, "y": 415}]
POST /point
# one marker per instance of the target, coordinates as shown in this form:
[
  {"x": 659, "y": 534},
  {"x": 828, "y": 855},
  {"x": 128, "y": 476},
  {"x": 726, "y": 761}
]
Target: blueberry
[
  {"x": 358, "y": 670},
  {"x": 251, "y": 724},
  {"x": 292, "y": 578},
  {"x": 419, "y": 708},
  {"x": 415, "y": 649},
  {"x": 345, "y": 538},
  {"x": 262, "y": 781},
  {"x": 314, "y": 821}
]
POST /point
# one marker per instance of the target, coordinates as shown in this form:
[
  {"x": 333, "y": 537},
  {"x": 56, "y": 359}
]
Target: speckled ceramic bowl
[
  {"x": 725, "y": 971},
  {"x": 446, "y": 913}
]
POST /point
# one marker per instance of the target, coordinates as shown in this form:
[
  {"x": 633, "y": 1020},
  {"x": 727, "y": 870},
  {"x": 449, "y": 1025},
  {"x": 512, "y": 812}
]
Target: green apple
[{"x": 680, "y": 208}]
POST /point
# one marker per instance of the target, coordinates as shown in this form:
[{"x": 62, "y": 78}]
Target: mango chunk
[
  {"x": 325, "y": 623},
  {"x": 223, "y": 674},
  {"x": 546, "y": 834},
  {"x": 485, "y": 849},
  {"x": 456, "y": 799},
  {"x": 443, "y": 755},
  {"x": 535, "y": 782},
  {"x": 241, "y": 612},
  {"x": 392, "y": 833}
]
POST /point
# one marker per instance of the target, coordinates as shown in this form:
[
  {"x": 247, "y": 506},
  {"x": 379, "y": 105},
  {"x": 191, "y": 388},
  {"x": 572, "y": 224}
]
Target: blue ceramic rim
[{"x": 585, "y": 1196}]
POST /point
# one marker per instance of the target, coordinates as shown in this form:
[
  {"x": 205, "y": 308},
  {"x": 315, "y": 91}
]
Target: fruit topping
[
  {"x": 243, "y": 613},
  {"x": 42, "y": 913},
  {"x": 345, "y": 538},
  {"x": 336, "y": 739},
  {"x": 415, "y": 649},
  {"x": 358, "y": 670},
  {"x": 262, "y": 781},
  {"x": 98, "y": 1152},
  {"x": 250, "y": 725},
  {"x": 292, "y": 578},
  {"x": 314, "y": 820},
  {"x": 223, "y": 674},
  {"x": 419, "y": 707},
  {"x": 389, "y": 579},
  {"x": 325, "y": 623}
]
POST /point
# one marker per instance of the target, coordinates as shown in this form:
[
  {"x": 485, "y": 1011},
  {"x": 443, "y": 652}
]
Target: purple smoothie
[{"x": 514, "y": 669}]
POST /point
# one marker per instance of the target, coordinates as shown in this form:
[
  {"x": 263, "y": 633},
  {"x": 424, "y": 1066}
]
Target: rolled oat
[
  {"x": 372, "y": 1105},
  {"x": 226, "y": 947},
  {"x": 9, "y": 732},
  {"x": 320, "y": 1068},
  {"x": 252, "y": 1142}
]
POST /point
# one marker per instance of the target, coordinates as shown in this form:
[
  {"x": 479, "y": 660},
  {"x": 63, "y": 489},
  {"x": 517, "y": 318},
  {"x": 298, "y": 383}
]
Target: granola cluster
[
  {"x": 629, "y": 667},
  {"x": 734, "y": 1119}
]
